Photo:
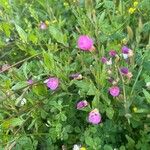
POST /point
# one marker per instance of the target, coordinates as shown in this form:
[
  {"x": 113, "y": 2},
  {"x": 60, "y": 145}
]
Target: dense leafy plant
[{"x": 54, "y": 81}]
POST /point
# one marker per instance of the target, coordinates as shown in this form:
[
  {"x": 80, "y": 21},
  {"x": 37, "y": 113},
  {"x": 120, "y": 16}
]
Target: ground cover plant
[{"x": 74, "y": 74}]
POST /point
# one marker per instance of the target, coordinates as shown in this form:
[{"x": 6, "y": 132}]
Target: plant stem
[
  {"x": 19, "y": 62},
  {"x": 124, "y": 97},
  {"x": 133, "y": 87}
]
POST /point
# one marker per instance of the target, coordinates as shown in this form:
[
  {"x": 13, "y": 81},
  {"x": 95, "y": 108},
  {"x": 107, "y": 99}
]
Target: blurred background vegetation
[{"x": 49, "y": 120}]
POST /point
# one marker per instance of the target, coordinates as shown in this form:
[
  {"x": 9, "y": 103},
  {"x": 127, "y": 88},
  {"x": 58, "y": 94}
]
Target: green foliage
[{"x": 32, "y": 116}]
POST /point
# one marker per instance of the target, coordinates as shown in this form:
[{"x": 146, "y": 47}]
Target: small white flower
[
  {"x": 109, "y": 62},
  {"x": 79, "y": 77},
  {"x": 148, "y": 85},
  {"x": 23, "y": 102},
  {"x": 125, "y": 56},
  {"x": 76, "y": 147},
  {"x": 7, "y": 40},
  {"x": 109, "y": 71}
]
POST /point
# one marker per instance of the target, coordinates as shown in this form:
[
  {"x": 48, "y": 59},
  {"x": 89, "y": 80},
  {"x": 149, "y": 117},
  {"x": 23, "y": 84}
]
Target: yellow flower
[
  {"x": 131, "y": 10},
  {"x": 135, "y": 109},
  {"x": 135, "y": 4},
  {"x": 47, "y": 22},
  {"x": 82, "y": 148}
]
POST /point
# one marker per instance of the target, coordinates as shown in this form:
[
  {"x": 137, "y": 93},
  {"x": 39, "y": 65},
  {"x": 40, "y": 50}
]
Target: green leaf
[
  {"x": 33, "y": 38},
  {"x": 130, "y": 32},
  {"x": 32, "y": 124},
  {"x": 122, "y": 148},
  {"x": 107, "y": 147},
  {"x": 83, "y": 85},
  {"x": 34, "y": 13},
  {"x": 96, "y": 101},
  {"x": 142, "y": 110},
  {"x": 92, "y": 89},
  {"x": 147, "y": 95},
  {"x": 49, "y": 61},
  {"x": 109, "y": 4},
  {"x": 13, "y": 122},
  {"x": 25, "y": 143},
  {"x": 19, "y": 85},
  {"x": 89, "y": 141},
  {"x": 131, "y": 142},
  {"x": 110, "y": 112},
  {"x": 40, "y": 89},
  {"x": 58, "y": 36},
  {"x": 63, "y": 117},
  {"x": 24, "y": 69},
  {"x": 102, "y": 16},
  {"x": 6, "y": 28},
  {"x": 44, "y": 114},
  {"x": 21, "y": 33}
]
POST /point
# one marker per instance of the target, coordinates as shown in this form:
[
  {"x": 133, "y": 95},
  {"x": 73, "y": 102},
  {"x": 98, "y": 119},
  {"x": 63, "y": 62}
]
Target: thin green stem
[
  {"x": 124, "y": 95},
  {"x": 133, "y": 87},
  {"x": 26, "y": 59},
  {"x": 124, "y": 92}
]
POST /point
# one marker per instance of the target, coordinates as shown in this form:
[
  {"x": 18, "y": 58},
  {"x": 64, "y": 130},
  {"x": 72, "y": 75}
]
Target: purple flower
[
  {"x": 112, "y": 53},
  {"x": 77, "y": 76},
  {"x": 52, "y": 83},
  {"x": 85, "y": 43},
  {"x": 125, "y": 50},
  {"x": 94, "y": 117},
  {"x": 30, "y": 81},
  {"x": 43, "y": 26},
  {"x": 124, "y": 70},
  {"x": 114, "y": 91},
  {"x": 82, "y": 104},
  {"x": 104, "y": 60}
]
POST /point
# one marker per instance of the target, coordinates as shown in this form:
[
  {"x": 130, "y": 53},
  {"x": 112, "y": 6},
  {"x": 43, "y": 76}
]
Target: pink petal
[{"x": 52, "y": 83}]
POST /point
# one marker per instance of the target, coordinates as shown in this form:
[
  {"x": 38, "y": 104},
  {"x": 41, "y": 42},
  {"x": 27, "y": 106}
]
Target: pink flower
[
  {"x": 124, "y": 70},
  {"x": 52, "y": 83},
  {"x": 112, "y": 53},
  {"x": 30, "y": 81},
  {"x": 43, "y": 26},
  {"x": 85, "y": 43},
  {"x": 125, "y": 50},
  {"x": 114, "y": 91},
  {"x": 94, "y": 117},
  {"x": 82, "y": 104},
  {"x": 104, "y": 60}
]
